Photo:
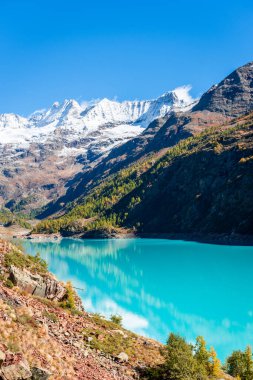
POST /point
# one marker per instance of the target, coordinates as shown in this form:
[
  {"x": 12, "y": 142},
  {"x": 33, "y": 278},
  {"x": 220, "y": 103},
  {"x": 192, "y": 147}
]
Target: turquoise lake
[{"x": 159, "y": 286}]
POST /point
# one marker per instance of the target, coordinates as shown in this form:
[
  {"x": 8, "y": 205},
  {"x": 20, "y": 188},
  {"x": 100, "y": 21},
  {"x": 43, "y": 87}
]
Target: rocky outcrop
[
  {"x": 40, "y": 373},
  {"x": 122, "y": 357},
  {"x": 17, "y": 371},
  {"x": 233, "y": 96},
  {"x": 37, "y": 285},
  {"x": 15, "y": 367}
]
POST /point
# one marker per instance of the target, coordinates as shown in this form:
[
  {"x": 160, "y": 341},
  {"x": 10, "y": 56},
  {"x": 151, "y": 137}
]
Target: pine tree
[
  {"x": 180, "y": 363},
  {"x": 215, "y": 364},
  {"x": 202, "y": 356},
  {"x": 235, "y": 365},
  {"x": 248, "y": 364}
]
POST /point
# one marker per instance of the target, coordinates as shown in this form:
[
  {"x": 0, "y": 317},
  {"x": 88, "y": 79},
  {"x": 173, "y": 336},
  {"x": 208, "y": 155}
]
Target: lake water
[{"x": 159, "y": 286}]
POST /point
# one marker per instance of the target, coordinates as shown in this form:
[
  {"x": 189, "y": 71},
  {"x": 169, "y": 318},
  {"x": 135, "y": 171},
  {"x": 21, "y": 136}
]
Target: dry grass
[{"x": 21, "y": 332}]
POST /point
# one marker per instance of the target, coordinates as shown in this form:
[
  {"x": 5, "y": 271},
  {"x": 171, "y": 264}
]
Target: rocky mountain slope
[
  {"x": 41, "y": 153},
  {"x": 65, "y": 178},
  {"x": 202, "y": 185},
  {"x": 45, "y": 334},
  {"x": 231, "y": 98}
]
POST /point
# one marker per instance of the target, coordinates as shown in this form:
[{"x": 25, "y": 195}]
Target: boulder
[
  {"x": 122, "y": 357},
  {"x": 37, "y": 285},
  {"x": 16, "y": 370},
  {"x": 40, "y": 373},
  {"x": 31, "y": 283},
  {"x": 54, "y": 290}
]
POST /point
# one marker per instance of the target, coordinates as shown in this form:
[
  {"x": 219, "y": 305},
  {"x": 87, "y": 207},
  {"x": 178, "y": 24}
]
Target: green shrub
[
  {"x": 117, "y": 319},
  {"x": 51, "y": 316},
  {"x": 9, "y": 283},
  {"x": 69, "y": 302},
  {"x": 183, "y": 361},
  {"x": 111, "y": 343},
  {"x": 240, "y": 364},
  {"x": 35, "y": 264}
]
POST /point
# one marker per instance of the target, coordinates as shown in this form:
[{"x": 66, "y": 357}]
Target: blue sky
[{"x": 125, "y": 49}]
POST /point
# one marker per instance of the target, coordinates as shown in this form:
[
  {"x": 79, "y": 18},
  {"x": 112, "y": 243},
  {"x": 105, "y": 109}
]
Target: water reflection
[{"x": 160, "y": 286}]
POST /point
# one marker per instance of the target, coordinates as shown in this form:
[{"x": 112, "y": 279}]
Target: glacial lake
[{"x": 159, "y": 286}]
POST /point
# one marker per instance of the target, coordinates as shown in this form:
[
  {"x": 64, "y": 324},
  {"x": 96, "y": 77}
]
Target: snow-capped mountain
[
  {"x": 68, "y": 135},
  {"x": 81, "y": 120}
]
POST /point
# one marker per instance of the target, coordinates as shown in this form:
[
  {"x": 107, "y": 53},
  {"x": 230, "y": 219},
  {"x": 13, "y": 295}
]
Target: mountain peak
[
  {"x": 56, "y": 105},
  {"x": 71, "y": 103},
  {"x": 83, "y": 119},
  {"x": 182, "y": 94},
  {"x": 11, "y": 120},
  {"x": 233, "y": 96}
]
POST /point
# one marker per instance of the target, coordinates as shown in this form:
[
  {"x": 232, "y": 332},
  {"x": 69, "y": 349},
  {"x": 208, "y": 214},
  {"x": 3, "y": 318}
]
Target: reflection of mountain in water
[{"x": 160, "y": 286}]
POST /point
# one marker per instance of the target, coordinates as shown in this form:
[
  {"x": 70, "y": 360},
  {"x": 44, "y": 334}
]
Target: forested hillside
[{"x": 202, "y": 184}]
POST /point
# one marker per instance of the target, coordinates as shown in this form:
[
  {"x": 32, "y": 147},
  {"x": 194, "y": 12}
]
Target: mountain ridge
[
  {"x": 201, "y": 185},
  {"x": 169, "y": 134},
  {"x": 76, "y": 161},
  {"x": 232, "y": 97},
  {"x": 40, "y": 154}
]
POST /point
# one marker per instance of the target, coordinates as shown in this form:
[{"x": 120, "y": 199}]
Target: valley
[
  {"x": 106, "y": 192},
  {"x": 126, "y": 190}
]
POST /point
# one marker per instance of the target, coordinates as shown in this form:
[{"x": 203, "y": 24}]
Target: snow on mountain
[
  {"x": 176, "y": 100},
  {"x": 81, "y": 126},
  {"x": 109, "y": 111},
  {"x": 41, "y": 153},
  {"x": 10, "y": 120}
]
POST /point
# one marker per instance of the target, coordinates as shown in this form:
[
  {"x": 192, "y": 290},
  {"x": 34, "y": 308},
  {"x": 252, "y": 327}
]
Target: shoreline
[
  {"x": 17, "y": 232},
  {"x": 217, "y": 239}
]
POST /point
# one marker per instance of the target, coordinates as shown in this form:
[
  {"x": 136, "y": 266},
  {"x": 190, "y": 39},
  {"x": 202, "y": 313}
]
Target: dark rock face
[
  {"x": 233, "y": 96},
  {"x": 40, "y": 374}
]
